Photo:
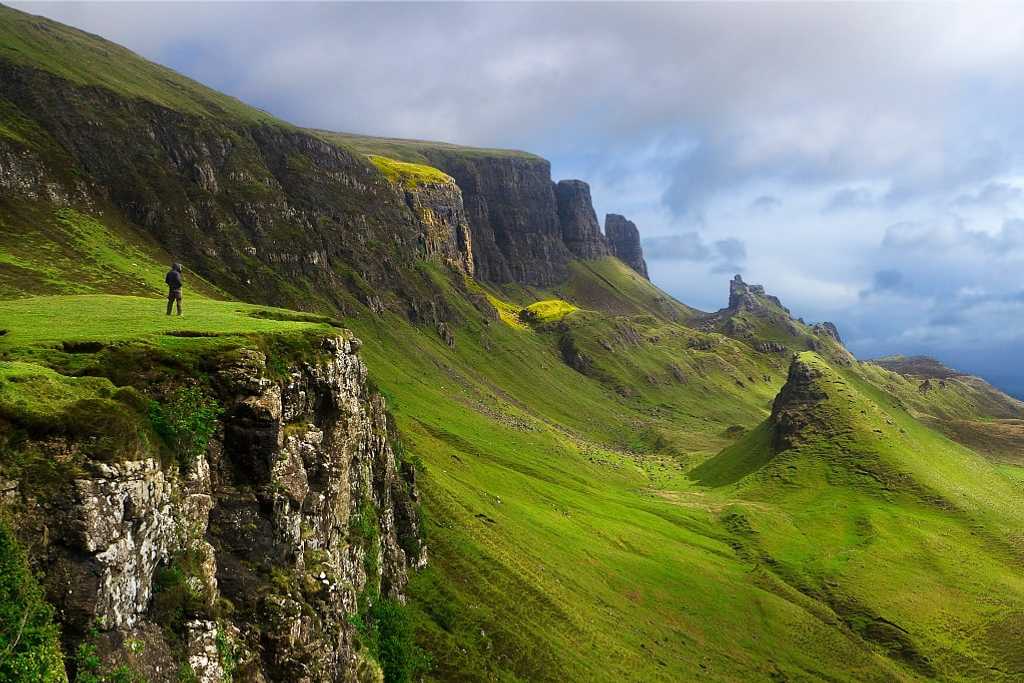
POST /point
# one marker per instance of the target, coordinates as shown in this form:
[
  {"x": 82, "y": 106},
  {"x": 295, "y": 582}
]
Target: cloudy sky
[{"x": 864, "y": 162}]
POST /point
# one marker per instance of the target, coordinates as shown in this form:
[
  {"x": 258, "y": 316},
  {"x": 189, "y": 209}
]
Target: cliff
[
  {"x": 261, "y": 553},
  {"x": 261, "y": 209},
  {"x": 436, "y": 203},
  {"x": 580, "y": 230},
  {"x": 624, "y": 242},
  {"x": 512, "y": 210}
]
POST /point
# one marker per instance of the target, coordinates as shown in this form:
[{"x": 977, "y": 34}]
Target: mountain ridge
[{"x": 556, "y": 471}]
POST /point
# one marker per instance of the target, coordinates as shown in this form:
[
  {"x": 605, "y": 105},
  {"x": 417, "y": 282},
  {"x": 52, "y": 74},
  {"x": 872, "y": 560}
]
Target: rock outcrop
[
  {"x": 444, "y": 229},
  {"x": 513, "y": 215},
  {"x": 624, "y": 241},
  {"x": 827, "y": 329},
  {"x": 580, "y": 229},
  {"x": 794, "y": 408},
  {"x": 744, "y": 297},
  {"x": 256, "y": 556}
]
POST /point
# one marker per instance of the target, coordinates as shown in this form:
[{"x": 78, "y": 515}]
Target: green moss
[{"x": 409, "y": 176}]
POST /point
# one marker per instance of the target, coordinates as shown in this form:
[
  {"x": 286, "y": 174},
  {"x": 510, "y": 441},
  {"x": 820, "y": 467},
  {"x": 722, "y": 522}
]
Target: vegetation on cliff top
[
  {"x": 414, "y": 151},
  {"x": 408, "y": 175}
]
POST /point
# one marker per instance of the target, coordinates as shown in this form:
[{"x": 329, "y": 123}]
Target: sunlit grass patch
[
  {"x": 548, "y": 311},
  {"x": 409, "y": 175}
]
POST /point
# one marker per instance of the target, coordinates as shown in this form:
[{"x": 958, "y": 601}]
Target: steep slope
[
  {"x": 846, "y": 500},
  {"x": 205, "y": 498}
]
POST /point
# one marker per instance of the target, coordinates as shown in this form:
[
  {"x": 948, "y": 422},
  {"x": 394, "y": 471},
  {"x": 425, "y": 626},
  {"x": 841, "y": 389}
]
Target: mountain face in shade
[
  {"x": 580, "y": 229},
  {"x": 624, "y": 240}
]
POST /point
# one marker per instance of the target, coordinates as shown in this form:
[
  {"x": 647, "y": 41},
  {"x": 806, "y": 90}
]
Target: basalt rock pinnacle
[{"x": 624, "y": 241}]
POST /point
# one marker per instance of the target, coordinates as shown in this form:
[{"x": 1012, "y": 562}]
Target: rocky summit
[
  {"x": 624, "y": 241},
  {"x": 421, "y": 420}
]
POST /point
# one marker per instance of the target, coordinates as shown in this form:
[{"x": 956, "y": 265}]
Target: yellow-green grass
[
  {"x": 567, "y": 542},
  {"x": 555, "y": 555},
  {"x": 550, "y": 561},
  {"x": 415, "y": 151},
  {"x": 550, "y": 310},
  {"x": 408, "y": 175}
]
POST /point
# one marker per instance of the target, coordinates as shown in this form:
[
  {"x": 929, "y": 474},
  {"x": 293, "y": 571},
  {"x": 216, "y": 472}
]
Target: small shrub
[
  {"x": 89, "y": 666},
  {"x": 174, "y": 600},
  {"x": 394, "y": 642},
  {"x": 29, "y": 640},
  {"x": 186, "y": 421}
]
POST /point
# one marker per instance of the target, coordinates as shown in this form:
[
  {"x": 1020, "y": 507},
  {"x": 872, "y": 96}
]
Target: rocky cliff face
[
  {"x": 624, "y": 242},
  {"x": 279, "y": 215},
  {"x": 794, "y": 409},
  {"x": 580, "y": 230},
  {"x": 444, "y": 228},
  {"x": 513, "y": 214},
  {"x": 255, "y": 558},
  {"x": 266, "y": 212}
]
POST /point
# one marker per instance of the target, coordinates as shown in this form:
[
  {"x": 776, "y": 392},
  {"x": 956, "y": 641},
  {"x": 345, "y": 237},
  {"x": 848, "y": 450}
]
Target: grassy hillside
[
  {"x": 613, "y": 487},
  {"x": 862, "y": 513},
  {"x": 568, "y": 540},
  {"x": 966, "y": 409},
  {"x": 87, "y": 59}
]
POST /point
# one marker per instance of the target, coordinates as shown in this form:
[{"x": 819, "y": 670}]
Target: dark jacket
[{"x": 173, "y": 278}]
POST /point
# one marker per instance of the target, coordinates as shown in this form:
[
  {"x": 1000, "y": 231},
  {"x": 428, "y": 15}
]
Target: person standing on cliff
[{"x": 174, "y": 282}]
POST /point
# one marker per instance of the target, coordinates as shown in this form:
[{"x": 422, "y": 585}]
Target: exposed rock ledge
[{"x": 297, "y": 509}]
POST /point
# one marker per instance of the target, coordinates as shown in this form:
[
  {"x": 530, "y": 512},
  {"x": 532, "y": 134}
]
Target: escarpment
[
  {"x": 624, "y": 242},
  {"x": 265, "y": 211},
  {"x": 276, "y": 214},
  {"x": 255, "y": 556},
  {"x": 526, "y": 228},
  {"x": 580, "y": 230},
  {"x": 444, "y": 228},
  {"x": 513, "y": 213}
]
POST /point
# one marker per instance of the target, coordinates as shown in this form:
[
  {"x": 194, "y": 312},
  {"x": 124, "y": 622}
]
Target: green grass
[
  {"x": 54, "y": 320},
  {"x": 64, "y": 251},
  {"x": 414, "y": 151},
  {"x": 883, "y": 521},
  {"x": 567, "y": 541},
  {"x": 407, "y": 175}
]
